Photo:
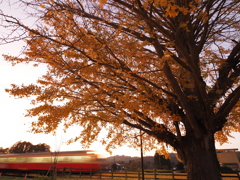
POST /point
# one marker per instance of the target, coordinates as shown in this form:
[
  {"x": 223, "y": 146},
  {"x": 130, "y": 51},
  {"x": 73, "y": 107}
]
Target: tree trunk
[{"x": 200, "y": 158}]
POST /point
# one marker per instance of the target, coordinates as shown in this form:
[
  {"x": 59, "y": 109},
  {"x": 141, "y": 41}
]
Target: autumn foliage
[
  {"x": 167, "y": 68},
  {"x": 25, "y": 147}
]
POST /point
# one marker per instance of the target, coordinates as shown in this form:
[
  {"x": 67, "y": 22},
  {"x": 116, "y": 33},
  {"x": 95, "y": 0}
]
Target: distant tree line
[
  {"x": 25, "y": 147},
  {"x": 158, "y": 161}
]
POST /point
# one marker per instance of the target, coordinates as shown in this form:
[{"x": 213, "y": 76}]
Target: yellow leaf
[{"x": 42, "y": 6}]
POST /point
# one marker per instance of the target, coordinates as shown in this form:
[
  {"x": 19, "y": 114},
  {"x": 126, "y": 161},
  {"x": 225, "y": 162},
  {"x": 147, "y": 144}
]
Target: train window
[
  {"x": 20, "y": 159},
  {"x": 31, "y": 159},
  {"x": 11, "y": 159},
  {"x": 80, "y": 159},
  {"x": 46, "y": 159},
  {"x": 39, "y": 159},
  {"x": 3, "y": 160},
  {"x": 76, "y": 159},
  {"x": 85, "y": 158},
  {"x": 62, "y": 159}
]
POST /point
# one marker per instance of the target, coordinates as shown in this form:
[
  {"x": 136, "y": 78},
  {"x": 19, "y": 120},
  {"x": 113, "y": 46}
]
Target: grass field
[{"x": 44, "y": 178}]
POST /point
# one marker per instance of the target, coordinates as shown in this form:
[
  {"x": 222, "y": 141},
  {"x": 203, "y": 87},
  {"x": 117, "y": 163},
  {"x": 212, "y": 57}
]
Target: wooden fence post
[
  {"x": 80, "y": 172},
  {"x": 126, "y": 173},
  {"x": 112, "y": 173},
  {"x": 173, "y": 175},
  {"x": 138, "y": 174},
  {"x": 91, "y": 173},
  {"x": 155, "y": 174},
  {"x": 238, "y": 174},
  {"x": 70, "y": 172},
  {"x": 62, "y": 171},
  {"x": 100, "y": 173}
]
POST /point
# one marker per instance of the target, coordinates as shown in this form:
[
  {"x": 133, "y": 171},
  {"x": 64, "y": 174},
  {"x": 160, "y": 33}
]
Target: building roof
[{"x": 227, "y": 150}]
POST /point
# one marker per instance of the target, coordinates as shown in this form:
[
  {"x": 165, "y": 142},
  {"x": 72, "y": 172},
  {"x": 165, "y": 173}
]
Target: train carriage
[{"x": 45, "y": 161}]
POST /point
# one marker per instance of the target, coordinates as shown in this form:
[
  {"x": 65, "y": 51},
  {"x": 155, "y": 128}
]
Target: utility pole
[{"x": 141, "y": 145}]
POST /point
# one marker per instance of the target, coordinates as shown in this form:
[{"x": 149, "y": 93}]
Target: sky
[{"x": 15, "y": 126}]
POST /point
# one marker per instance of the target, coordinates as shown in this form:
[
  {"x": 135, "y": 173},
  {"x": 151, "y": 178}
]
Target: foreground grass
[
  {"x": 62, "y": 178},
  {"x": 18, "y": 178},
  {"x": 118, "y": 176},
  {"x": 67, "y": 178}
]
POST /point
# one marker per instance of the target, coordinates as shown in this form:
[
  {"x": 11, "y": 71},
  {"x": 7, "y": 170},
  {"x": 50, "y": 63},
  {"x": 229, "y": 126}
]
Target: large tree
[
  {"x": 27, "y": 147},
  {"x": 169, "y": 68}
]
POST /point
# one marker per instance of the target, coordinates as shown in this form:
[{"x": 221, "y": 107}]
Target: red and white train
[{"x": 45, "y": 161}]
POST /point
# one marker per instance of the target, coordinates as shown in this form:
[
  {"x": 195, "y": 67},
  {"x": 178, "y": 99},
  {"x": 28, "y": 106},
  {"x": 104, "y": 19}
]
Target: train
[{"x": 46, "y": 161}]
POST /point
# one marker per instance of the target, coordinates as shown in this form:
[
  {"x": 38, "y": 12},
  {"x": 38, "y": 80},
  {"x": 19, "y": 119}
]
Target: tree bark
[{"x": 200, "y": 158}]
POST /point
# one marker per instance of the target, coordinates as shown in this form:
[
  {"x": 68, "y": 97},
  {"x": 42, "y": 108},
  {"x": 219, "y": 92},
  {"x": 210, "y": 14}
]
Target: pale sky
[{"x": 14, "y": 125}]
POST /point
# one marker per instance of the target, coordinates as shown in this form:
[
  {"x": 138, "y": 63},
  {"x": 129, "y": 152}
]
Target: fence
[{"x": 125, "y": 174}]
